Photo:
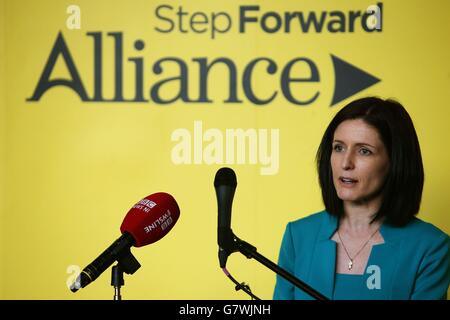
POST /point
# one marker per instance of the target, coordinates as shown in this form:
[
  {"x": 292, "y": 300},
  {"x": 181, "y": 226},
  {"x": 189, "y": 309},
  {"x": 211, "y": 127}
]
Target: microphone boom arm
[{"x": 251, "y": 252}]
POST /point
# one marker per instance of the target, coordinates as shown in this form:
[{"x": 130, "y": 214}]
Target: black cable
[{"x": 240, "y": 286}]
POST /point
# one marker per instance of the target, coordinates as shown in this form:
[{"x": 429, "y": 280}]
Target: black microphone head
[
  {"x": 225, "y": 184},
  {"x": 225, "y": 177}
]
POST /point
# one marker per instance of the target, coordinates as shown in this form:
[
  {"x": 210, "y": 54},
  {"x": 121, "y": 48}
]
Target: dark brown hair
[{"x": 402, "y": 191}]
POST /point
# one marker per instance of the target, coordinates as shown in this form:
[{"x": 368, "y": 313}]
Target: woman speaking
[{"x": 367, "y": 243}]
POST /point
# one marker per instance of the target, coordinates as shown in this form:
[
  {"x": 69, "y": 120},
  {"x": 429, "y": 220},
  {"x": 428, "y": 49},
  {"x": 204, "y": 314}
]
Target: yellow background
[{"x": 70, "y": 170}]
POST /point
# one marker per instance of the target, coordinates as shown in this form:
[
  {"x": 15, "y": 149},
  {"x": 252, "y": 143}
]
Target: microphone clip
[
  {"x": 230, "y": 243},
  {"x": 245, "y": 248},
  {"x": 128, "y": 263}
]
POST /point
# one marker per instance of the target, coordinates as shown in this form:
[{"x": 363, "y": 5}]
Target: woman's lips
[{"x": 347, "y": 181}]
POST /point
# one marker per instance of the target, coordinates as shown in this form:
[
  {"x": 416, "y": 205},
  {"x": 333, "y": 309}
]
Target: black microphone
[
  {"x": 119, "y": 250},
  {"x": 225, "y": 184}
]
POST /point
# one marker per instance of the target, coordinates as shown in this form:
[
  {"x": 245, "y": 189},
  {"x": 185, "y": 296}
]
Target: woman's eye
[
  {"x": 365, "y": 152},
  {"x": 337, "y": 147}
]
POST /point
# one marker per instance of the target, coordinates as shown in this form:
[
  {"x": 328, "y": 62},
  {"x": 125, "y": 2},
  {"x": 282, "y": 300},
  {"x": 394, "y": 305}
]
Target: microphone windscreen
[
  {"x": 151, "y": 218},
  {"x": 225, "y": 177}
]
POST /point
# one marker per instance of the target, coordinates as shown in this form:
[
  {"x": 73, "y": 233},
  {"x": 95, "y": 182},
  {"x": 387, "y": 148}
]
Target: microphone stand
[
  {"x": 250, "y": 252},
  {"x": 117, "y": 281},
  {"x": 126, "y": 263}
]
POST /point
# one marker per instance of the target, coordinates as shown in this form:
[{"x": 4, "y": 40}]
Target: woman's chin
[{"x": 346, "y": 197}]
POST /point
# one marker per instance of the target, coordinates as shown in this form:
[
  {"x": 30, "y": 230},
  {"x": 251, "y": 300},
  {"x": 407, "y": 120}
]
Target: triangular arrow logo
[{"x": 349, "y": 80}]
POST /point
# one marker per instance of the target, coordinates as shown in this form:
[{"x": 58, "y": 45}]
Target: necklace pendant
[{"x": 350, "y": 265}]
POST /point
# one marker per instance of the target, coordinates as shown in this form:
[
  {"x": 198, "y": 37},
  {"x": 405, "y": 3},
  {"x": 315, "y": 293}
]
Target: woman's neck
[{"x": 358, "y": 218}]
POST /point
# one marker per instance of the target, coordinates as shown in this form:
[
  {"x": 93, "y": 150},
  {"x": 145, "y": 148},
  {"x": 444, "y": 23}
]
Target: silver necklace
[{"x": 350, "y": 262}]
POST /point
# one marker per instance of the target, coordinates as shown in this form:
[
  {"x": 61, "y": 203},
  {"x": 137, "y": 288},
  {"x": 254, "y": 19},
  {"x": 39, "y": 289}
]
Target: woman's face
[{"x": 359, "y": 162}]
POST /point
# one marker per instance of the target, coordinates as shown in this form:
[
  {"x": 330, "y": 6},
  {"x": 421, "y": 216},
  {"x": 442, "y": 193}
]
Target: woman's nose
[{"x": 347, "y": 161}]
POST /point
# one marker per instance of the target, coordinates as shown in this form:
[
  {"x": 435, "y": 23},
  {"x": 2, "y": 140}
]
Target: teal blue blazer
[{"x": 414, "y": 260}]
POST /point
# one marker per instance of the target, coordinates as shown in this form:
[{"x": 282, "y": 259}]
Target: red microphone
[
  {"x": 151, "y": 218},
  {"x": 146, "y": 222}
]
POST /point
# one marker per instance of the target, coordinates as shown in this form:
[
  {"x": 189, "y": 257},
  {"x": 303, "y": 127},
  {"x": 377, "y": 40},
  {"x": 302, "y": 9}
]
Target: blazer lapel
[
  {"x": 323, "y": 262},
  {"x": 386, "y": 256}
]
